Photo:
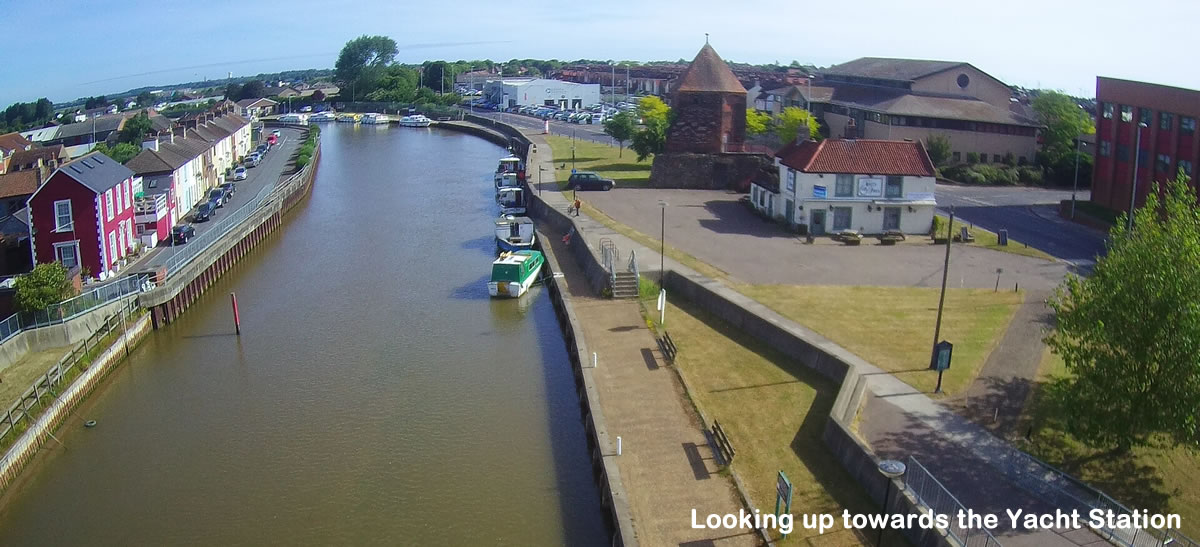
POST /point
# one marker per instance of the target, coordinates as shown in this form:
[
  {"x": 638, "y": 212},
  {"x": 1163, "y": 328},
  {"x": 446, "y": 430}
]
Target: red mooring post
[{"x": 237, "y": 321}]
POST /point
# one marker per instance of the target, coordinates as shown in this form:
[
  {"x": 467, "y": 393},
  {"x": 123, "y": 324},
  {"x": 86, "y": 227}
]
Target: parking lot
[
  {"x": 715, "y": 227},
  {"x": 591, "y": 131}
]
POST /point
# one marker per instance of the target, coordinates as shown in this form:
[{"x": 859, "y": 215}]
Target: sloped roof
[
  {"x": 885, "y": 68},
  {"x": 244, "y": 103},
  {"x": 907, "y": 103},
  {"x": 169, "y": 156},
  {"x": 96, "y": 171},
  {"x": 820, "y": 94},
  {"x": 19, "y": 183},
  {"x": 13, "y": 141},
  {"x": 99, "y": 124},
  {"x": 45, "y": 153},
  {"x": 709, "y": 73},
  {"x": 858, "y": 156}
]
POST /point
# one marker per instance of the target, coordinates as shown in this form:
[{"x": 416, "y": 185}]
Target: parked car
[
  {"x": 216, "y": 196},
  {"x": 181, "y": 234},
  {"x": 252, "y": 160},
  {"x": 229, "y": 189},
  {"x": 262, "y": 149},
  {"x": 306, "y": 109},
  {"x": 276, "y": 134},
  {"x": 586, "y": 180},
  {"x": 203, "y": 212},
  {"x": 239, "y": 173}
]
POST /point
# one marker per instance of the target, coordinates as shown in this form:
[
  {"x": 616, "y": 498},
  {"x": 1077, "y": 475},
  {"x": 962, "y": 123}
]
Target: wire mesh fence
[
  {"x": 89, "y": 300},
  {"x": 932, "y": 494}
]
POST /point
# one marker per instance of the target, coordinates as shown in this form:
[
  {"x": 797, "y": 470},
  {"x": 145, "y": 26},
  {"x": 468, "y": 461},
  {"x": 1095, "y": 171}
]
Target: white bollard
[
  {"x": 594, "y": 360},
  {"x": 618, "y": 445}
]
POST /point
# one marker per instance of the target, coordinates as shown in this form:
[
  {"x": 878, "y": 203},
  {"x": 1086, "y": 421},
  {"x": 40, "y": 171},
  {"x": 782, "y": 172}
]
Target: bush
[
  {"x": 937, "y": 226},
  {"x": 994, "y": 174},
  {"x": 1030, "y": 175},
  {"x": 954, "y": 172},
  {"x": 302, "y": 160},
  {"x": 972, "y": 157},
  {"x": 1010, "y": 159},
  {"x": 973, "y": 177}
]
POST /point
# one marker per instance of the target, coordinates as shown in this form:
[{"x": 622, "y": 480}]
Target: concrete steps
[{"x": 625, "y": 286}]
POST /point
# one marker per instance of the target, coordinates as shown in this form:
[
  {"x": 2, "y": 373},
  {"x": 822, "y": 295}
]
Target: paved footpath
[{"x": 644, "y": 403}]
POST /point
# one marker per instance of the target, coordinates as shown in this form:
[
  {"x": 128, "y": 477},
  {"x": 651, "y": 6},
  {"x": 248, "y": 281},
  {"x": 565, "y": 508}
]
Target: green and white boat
[{"x": 513, "y": 273}]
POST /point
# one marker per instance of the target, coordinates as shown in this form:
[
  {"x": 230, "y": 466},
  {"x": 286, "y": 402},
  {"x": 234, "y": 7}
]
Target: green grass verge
[
  {"x": 1162, "y": 477},
  {"x": 774, "y": 411},
  {"x": 989, "y": 240},
  {"x": 607, "y": 161},
  {"x": 892, "y": 327}
]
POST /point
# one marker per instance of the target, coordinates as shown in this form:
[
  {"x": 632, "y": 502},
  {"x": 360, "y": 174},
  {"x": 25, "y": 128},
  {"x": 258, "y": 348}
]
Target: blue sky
[{"x": 84, "y": 48}]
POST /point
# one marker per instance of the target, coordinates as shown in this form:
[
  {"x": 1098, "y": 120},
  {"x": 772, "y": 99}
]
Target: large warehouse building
[{"x": 541, "y": 92}]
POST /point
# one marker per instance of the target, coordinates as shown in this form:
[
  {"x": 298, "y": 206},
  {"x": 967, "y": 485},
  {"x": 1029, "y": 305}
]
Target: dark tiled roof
[
  {"x": 820, "y": 94},
  {"x": 19, "y": 183},
  {"x": 169, "y": 156},
  {"x": 96, "y": 171},
  {"x": 250, "y": 102},
  {"x": 861, "y": 156},
  {"x": 906, "y": 103},
  {"x": 100, "y": 124},
  {"x": 891, "y": 69},
  {"x": 709, "y": 73},
  {"x": 13, "y": 141}
]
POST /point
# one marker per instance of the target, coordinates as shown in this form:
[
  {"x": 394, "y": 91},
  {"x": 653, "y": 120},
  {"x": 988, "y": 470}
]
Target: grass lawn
[
  {"x": 988, "y": 240},
  {"x": 607, "y": 161},
  {"x": 773, "y": 410},
  {"x": 1162, "y": 478},
  {"x": 892, "y": 327}
]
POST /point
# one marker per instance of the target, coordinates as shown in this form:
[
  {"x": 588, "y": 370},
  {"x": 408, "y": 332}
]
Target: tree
[
  {"x": 396, "y": 84},
  {"x": 1130, "y": 333},
  {"x": 652, "y": 109},
  {"x": 135, "y": 129},
  {"x": 656, "y": 118},
  {"x": 146, "y": 98},
  {"x": 621, "y": 128},
  {"x": 756, "y": 122},
  {"x": 121, "y": 152},
  {"x": 361, "y": 60},
  {"x": 95, "y": 102},
  {"x": 254, "y": 89},
  {"x": 938, "y": 147},
  {"x": 789, "y": 123},
  {"x": 43, "y": 287},
  {"x": 1064, "y": 122},
  {"x": 318, "y": 96},
  {"x": 233, "y": 92}
]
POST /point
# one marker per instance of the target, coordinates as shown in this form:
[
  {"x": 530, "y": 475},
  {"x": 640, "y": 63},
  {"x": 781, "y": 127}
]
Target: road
[
  {"x": 1030, "y": 215},
  {"x": 268, "y": 172}
]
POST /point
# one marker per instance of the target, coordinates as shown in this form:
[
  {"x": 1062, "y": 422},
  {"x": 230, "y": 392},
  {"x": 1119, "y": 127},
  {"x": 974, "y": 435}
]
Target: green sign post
[
  {"x": 941, "y": 361},
  {"x": 783, "y": 496}
]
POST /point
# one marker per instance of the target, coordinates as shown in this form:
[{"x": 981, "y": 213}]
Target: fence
[
  {"x": 71, "y": 308},
  {"x": 669, "y": 349},
  {"x": 930, "y": 493},
  {"x": 723, "y": 445},
  {"x": 180, "y": 256},
  {"x": 47, "y": 387}
]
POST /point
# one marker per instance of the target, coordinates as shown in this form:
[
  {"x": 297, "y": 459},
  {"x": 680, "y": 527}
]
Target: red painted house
[{"x": 84, "y": 215}]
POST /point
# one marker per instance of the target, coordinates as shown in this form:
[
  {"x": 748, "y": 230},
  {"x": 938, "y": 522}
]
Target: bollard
[
  {"x": 618, "y": 445},
  {"x": 237, "y": 321},
  {"x": 1016, "y": 285},
  {"x": 594, "y": 361}
]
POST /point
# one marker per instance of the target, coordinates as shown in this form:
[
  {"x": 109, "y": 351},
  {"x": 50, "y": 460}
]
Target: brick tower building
[{"x": 710, "y": 108}]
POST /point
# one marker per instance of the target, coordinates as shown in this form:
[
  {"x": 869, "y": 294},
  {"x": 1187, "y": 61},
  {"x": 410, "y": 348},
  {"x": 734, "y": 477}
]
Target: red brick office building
[{"x": 1169, "y": 138}]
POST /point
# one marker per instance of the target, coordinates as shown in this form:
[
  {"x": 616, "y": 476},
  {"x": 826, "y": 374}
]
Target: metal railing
[
  {"x": 932, "y": 494},
  {"x": 633, "y": 267},
  {"x": 181, "y": 255},
  {"x": 610, "y": 255},
  {"x": 69, "y": 309}
]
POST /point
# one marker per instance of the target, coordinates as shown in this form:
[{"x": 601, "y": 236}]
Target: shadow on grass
[
  {"x": 621, "y": 167},
  {"x": 808, "y": 443}
]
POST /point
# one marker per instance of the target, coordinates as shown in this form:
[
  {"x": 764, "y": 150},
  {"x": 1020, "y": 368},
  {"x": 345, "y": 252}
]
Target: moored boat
[
  {"x": 323, "y": 117},
  {"x": 514, "y": 233},
  {"x": 415, "y": 120},
  {"x": 510, "y": 165},
  {"x": 509, "y": 180},
  {"x": 375, "y": 119},
  {"x": 348, "y": 118},
  {"x": 511, "y": 200},
  {"x": 513, "y": 273}
]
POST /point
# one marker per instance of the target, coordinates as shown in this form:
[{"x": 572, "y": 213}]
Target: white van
[{"x": 597, "y": 119}]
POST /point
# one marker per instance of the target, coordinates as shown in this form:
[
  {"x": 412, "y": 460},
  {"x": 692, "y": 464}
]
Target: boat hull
[
  {"x": 506, "y": 245},
  {"x": 512, "y": 289}
]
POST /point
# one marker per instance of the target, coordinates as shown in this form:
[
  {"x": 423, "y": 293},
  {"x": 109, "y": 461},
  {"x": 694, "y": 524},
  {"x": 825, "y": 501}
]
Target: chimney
[
  {"x": 151, "y": 143},
  {"x": 851, "y": 131}
]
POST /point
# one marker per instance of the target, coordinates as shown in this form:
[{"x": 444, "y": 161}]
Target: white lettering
[
  {"x": 1013, "y": 517},
  {"x": 785, "y": 523},
  {"x": 694, "y": 523}
]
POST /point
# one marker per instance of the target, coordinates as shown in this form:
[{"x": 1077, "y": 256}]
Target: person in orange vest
[{"x": 577, "y": 205}]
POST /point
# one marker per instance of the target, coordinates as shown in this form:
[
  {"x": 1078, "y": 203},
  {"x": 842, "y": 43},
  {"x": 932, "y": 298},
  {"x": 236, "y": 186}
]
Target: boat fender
[{"x": 89, "y": 423}]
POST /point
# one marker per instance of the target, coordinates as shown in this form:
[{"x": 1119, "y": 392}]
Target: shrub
[
  {"x": 954, "y": 172},
  {"x": 1010, "y": 159},
  {"x": 993, "y": 174},
  {"x": 937, "y": 226},
  {"x": 972, "y": 157},
  {"x": 302, "y": 160},
  {"x": 1030, "y": 175},
  {"x": 973, "y": 177}
]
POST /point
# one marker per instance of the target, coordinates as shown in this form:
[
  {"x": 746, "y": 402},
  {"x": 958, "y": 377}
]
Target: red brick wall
[{"x": 703, "y": 118}]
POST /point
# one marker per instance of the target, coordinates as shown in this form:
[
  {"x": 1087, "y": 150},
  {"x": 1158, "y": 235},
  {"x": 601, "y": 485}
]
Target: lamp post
[
  {"x": 541, "y": 168},
  {"x": 890, "y": 469},
  {"x": 662, "y": 241},
  {"x": 1137, "y": 156},
  {"x": 1075, "y": 187},
  {"x": 937, "y": 329}
]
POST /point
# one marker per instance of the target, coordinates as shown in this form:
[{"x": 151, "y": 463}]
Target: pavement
[
  {"x": 524, "y": 122},
  {"x": 662, "y": 469},
  {"x": 268, "y": 172},
  {"x": 1030, "y": 215}
]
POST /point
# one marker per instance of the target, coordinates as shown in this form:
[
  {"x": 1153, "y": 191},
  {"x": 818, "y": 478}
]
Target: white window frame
[
  {"x": 791, "y": 180},
  {"x": 73, "y": 245},
  {"x": 58, "y": 225},
  {"x": 112, "y": 247},
  {"x": 108, "y": 200},
  {"x": 888, "y": 185},
  {"x": 838, "y": 180}
]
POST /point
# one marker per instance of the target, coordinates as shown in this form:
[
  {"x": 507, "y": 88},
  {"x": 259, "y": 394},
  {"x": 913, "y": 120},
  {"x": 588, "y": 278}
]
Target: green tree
[
  {"x": 146, "y": 98},
  {"x": 95, "y": 102},
  {"x": 396, "y": 84},
  {"x": 621, "y": 128},
  {"x": 254, "y": 89},
  {"x": 43, "y": 287},
  {"x": 756, "y": 122},
  {"x": 1064, "y": 122},
  {"x": 1130, "y": 333},
  {"x": 233, "y": 92},
  {"x": 938, "y": 147},
  {"x": 135, "y": 129},
  {"x": 362, "y": 60},
  {"x": 121, "y": 152},
  {"x": 652, "y": 109},
  {"x": 788, "y": 124},
  {"x": 656, "y": 118}
]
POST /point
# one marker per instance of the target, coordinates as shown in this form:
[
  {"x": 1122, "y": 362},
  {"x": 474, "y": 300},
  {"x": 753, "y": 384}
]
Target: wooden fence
[{"x": 723, "y": 445}]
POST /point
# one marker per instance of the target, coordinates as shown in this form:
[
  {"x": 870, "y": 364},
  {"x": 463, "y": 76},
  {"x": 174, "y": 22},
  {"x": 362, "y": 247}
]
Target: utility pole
[
  {"x": 1075, "y": 188},
  {"x": 937, "y": 329},
  {"x": 1137, "y": 156}
]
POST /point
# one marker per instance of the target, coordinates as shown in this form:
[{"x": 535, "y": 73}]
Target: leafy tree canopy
[
  {"x": 363, "y": 57},
  {"x": 756, "y": 122},
  {"x": 938, "y": 147},
  {"x": 621, "y": 128},
  {"x": 1130, "y": 333},
  {"x": 121, "y": 152},
  {"x": 792, "y": 120},
  {"x": 43, "y": 287}
]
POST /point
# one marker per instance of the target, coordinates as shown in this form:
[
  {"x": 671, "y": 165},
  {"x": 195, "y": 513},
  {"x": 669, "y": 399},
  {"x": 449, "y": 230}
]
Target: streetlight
[
  {"x": 891, "y": 469},
  {"x": 1075, "y": 188},
  {"x": 541, "y": 168},
  {"x": 662, "y": 241},
  {"x": 1137, "y": 156},
  {"x": 937, "y": 329}
]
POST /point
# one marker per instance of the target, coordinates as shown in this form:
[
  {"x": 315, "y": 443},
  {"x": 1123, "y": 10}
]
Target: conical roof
[{"x": 709, "y": 73}]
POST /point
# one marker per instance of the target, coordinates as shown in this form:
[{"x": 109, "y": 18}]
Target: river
[{"x": 375, "y": 396}]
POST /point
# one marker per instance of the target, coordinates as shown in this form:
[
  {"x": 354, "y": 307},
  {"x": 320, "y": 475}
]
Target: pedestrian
[{"x": 577, "y": 205}]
